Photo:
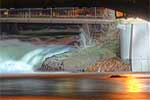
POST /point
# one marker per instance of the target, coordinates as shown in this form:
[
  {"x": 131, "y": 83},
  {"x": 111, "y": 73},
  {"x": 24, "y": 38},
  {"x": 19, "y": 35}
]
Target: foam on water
[
  {"x": 18, "y": 57},
  {"x": 85, "y": 39}
]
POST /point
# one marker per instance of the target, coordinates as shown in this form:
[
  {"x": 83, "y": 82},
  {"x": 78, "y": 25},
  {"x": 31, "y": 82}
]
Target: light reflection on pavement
[{"x": 126, "y": 86}]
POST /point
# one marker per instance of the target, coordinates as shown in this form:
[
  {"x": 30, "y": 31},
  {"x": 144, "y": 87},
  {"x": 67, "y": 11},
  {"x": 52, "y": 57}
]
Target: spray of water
[
  {"x": 19, "y": 57},
  {"x": 85, "y": 39}
]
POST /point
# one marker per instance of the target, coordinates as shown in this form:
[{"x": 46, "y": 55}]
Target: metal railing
[{"x": 72, "y": 12}]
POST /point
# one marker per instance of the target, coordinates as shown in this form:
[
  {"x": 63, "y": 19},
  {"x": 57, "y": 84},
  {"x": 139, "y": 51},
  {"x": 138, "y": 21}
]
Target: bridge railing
[{"x": 74, "y": 12}]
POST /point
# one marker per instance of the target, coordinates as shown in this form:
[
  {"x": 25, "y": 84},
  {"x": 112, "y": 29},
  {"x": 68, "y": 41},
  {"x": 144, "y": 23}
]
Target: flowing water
[
  {"x": 18, "y": 57},
  {"x": 85, "y": 39}
]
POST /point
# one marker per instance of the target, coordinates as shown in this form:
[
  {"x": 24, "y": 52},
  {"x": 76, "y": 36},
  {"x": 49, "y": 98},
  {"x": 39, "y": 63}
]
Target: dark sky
[
  {"x": 43, "y": 3},
  {"x": 56, "y": 3}
]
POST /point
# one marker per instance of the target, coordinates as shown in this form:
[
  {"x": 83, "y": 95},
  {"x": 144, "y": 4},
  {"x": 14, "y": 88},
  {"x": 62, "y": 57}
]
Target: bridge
[
  {"x": 70, "y": 15},
  {"x": 85, "y": 17},
  {"x": 55, "y": 20},
  {"x": 134, "y": 8}
]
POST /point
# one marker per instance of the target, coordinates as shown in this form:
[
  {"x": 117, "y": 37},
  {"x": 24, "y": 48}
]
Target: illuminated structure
[{"x": 134, "y": 8}]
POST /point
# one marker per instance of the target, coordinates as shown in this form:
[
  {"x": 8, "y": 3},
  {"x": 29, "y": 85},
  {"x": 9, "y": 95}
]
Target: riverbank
[{"x": 88, "y": 59}]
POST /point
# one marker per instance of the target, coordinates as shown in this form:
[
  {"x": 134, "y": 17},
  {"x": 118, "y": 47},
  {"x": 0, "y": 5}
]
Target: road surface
[{"x": 106, "y": 86}]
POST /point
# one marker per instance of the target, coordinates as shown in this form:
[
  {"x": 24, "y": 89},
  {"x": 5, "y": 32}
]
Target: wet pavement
[{"x": 96, "y": 86}]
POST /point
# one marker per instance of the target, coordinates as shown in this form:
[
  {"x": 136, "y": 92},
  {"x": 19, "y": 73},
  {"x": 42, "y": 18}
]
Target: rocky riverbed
[
  {"x": 92, "y": 59},
  {"x": 95, "y": 52},
  {"x": 113, "y": 64}
]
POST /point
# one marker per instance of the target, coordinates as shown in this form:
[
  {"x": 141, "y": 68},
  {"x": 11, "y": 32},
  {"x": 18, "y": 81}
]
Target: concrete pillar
[{"x": 140, "y": 47}]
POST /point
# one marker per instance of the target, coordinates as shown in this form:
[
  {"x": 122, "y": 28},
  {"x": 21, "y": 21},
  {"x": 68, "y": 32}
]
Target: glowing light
[
  {"x": 119, "y": 14},
  {"x": 133, "y": 85},
  {"x": 6, "y": 13}
]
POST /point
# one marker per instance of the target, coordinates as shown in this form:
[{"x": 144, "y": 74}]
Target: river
[{"x": 18, "y": 57}]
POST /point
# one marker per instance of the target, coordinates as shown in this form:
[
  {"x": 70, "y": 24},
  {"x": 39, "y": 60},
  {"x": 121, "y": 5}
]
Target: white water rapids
[{"x": 21, "y": 57}]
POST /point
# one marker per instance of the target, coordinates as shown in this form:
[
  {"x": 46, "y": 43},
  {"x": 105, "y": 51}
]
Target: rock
[
  {"x": 52, "y": 64},
  {"x": 75, "y": 61},
  {"x": 113, "y": 64}
]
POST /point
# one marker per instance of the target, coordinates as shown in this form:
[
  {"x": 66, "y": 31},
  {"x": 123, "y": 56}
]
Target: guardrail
[{"x": 72, "y": 12}]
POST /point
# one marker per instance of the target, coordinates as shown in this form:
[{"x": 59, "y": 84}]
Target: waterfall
[
  {"x": 19, "y": 57},
  {"x": 85, "y": 39}
]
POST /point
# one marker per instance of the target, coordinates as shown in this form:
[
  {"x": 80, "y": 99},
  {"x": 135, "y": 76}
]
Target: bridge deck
[{"x": 56, "y": 20}]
